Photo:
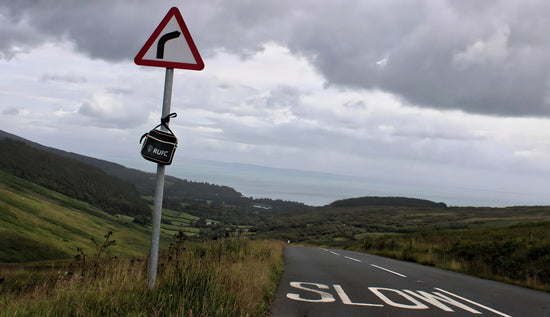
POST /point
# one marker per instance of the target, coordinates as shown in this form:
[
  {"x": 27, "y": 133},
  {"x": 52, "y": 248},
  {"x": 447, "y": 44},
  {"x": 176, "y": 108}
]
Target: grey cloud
[
  {"x": 479, "y": 57},
  {"x": 435, "y": 54},
  {"x": 283, "y": 97},
  {"x": 11, "y": 111},
  {"x": 111, "y": 30},
  {"x": 119, "y": 90},
  {"x": 451, "y": 135},
  {"x": 116, "y": 30},
  {"x": 87, "y": 109},
  {"x": 360, "y": 104},
  {"x": 16, "y": 34}
]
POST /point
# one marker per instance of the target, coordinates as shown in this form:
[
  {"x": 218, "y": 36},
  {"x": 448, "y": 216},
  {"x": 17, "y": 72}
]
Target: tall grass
[
  {"x": 229, "y": 277},
  {"x": 517, "y": 254}
]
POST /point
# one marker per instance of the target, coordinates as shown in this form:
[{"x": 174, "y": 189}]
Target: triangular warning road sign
[{"x": 170, "y": 45}]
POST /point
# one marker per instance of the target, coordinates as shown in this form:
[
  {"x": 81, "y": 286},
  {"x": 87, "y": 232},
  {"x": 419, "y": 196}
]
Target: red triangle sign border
[{"x": 139, "y": 60}]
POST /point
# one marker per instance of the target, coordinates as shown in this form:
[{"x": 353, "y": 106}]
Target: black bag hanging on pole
[{"x": 160, "y": 146}]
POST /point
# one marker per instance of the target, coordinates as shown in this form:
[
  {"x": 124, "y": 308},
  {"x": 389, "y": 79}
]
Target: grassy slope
[
  {"x": 518, "y": 254},
  {"x": 41, "y": 224}
]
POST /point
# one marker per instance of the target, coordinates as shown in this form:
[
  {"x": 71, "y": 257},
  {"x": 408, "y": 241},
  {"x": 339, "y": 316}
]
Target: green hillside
[
  {"x": 39, "y": 224},
  {"x": 71, "y": 177}
]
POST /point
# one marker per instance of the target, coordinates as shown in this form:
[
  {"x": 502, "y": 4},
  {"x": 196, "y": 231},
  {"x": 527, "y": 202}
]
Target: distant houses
[{"x": 261, "y": 206}]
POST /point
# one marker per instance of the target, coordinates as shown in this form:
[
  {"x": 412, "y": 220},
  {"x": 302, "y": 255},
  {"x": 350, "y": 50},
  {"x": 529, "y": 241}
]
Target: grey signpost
[
  {"x": 159, "y": 187},
  {"x": 165, "y": 48}
]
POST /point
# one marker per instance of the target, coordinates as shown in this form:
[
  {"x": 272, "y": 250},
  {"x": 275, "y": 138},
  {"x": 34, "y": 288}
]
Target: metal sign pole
[{"x": 159, "y": 189}]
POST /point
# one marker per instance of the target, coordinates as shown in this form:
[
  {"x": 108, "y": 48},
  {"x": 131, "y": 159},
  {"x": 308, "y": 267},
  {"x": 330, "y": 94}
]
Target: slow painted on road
[{"x": 331, "y": 282}]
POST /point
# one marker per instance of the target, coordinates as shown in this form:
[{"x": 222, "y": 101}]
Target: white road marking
[
  {"x": 406, "y": 299},
  {"x": 415, "y": 304},
  {"x": 347, "y": 257},
  {"x": 345, "y": 299},
  {"x": 473, "y": 303},
  {"x": 390, "y": 271},
  {"x": 334, "y": 253},
  {"x": 325, "y": 297},
  {"x": 436, "y": 298}
]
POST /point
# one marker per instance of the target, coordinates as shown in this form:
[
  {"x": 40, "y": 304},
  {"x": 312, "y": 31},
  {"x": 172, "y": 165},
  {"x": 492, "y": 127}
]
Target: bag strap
[
  {"x": 163, "y": 122},
  {"x": 144, "y": 135}
]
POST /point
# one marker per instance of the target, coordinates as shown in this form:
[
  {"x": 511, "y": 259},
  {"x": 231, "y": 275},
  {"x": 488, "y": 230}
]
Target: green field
[
  {"x": 176, "y": 221},
  {"x": 39, "y": 224}
]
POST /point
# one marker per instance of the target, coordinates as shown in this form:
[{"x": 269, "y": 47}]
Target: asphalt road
[{"x": 333, "y": 282}]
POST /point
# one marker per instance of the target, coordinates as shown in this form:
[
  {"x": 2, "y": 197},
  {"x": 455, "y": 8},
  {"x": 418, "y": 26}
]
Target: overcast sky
[{"x": 439, "y": 93}]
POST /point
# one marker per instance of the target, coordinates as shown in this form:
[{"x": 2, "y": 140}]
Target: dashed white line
[
  {"x": 373, "y": 265},
  {"x": 390, "y": 271},
  {"x": 349, "y": 258}
]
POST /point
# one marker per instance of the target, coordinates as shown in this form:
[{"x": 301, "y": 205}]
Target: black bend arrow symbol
[{"x": 162, "y": 41}]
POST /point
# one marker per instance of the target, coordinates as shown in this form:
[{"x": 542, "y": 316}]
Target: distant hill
[
  {"x": 386, "y": 201},
  {"x": 72, "y": 178},
  {"x": 145, "y": 182}
]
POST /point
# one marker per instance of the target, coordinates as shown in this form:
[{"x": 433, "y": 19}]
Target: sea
[{"x": 319, "y": 189}]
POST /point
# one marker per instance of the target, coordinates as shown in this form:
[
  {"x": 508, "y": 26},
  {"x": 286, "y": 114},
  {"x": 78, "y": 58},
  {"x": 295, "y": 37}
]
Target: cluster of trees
[
  {"x": 72, "y": 178},
  {"x": 386, "y": 201}
]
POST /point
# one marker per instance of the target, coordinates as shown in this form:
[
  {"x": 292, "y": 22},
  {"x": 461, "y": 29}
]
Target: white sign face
[{"x": 170, "y": 45}]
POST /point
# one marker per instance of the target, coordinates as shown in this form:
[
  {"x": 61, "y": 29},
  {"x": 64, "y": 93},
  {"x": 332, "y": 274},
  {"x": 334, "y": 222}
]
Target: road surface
[{"x": 334, "y": 282}]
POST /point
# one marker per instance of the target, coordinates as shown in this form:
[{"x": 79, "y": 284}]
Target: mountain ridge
[
  {"x": 144, "y": 181},
  {"x": 71, "y": 177}
]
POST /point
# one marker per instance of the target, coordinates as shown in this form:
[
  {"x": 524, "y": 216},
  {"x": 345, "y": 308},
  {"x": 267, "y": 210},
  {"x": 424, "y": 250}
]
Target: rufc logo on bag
[{"x": 160, "y": 146}]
